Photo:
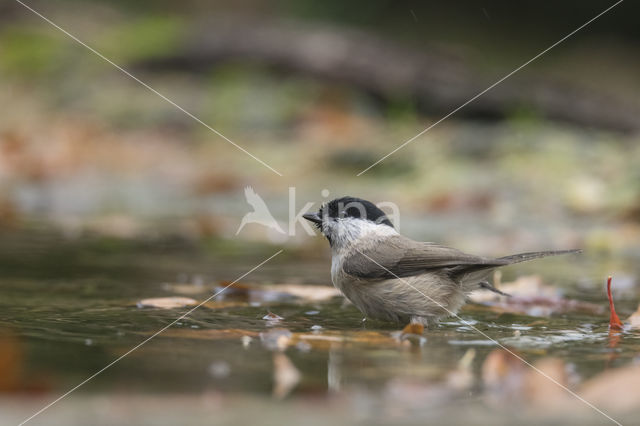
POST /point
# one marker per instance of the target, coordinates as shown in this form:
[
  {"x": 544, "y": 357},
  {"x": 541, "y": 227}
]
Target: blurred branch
[{"x": 390, "y": 70}]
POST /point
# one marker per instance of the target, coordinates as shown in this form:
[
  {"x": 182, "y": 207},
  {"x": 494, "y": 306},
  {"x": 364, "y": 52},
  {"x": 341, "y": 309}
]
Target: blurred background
[
  {"x": 320, "y": 92},
  {"x": 108, "y": 190}
]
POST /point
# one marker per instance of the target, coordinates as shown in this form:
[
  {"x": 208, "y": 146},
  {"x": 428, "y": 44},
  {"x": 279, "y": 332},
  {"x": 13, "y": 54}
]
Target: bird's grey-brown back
[{"x": 391, "y": 277}]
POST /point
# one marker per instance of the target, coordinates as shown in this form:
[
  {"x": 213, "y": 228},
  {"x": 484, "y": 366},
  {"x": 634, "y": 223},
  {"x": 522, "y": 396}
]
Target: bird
[
  {"x": 390, "y": 277},
  {"x": 260, "y": 213}
]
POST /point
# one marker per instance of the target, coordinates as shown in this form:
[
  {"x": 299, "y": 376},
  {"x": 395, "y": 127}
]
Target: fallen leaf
[
  {"x": 278, "y": 292},
  {"x": 209, "y": 334},
  {"x": 11, "y": 360},
  {"x": 508, "y": 379},
  {"x": 186, "y": 289},
  {"x": 223, "y": 304},
  {"x": 272, "y": 317},
  {"x": 285, "y": 375},
  {"x": 541, "y": 386},
  {"x": 328, "y": 339},
  {"x": 14, "y": 377},
  {"x": 634, "y": 319},
  {"x": 413, "y": 328},
  {"x": 614, "y": 389},
  {"x": 166, "y": 302},
  {"x": 313, "y": 293},
  {"x": 411, "y": 335},
  {"x": 319, "y": 340},
  {"x": 614, "y": 320},
  {"x": 530, "y": 296}
]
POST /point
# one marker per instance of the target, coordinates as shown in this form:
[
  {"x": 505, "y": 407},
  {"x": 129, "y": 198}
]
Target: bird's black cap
[{"x": 349, "y": 207}]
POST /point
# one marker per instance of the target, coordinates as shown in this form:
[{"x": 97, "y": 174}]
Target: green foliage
[
  {"x": 29, "y": 52},
  {"x": 142, "y": 38}
]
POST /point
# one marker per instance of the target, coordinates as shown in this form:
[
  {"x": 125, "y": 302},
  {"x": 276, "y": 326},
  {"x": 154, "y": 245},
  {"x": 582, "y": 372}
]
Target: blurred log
[{"x": 439, "y": 83}]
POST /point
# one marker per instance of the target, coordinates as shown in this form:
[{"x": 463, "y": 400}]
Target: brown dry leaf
[
  {"x": 508, "y": 379},
  {"x": 413, "y": 328},
  {"x": 541, "y": 391},
  {"x": 272, "y": 317},
  {"x": 260, "y": 293},
  {"x": 530, "y": 296},
  {"x": 330, "y": 338},
  {"x": 222, "y": 304},
  {"x": 240, "y": 291},
  {"x": 190, "y": 333},
  {"x": 314, "y": 293},
  {"x": 285, "y": 375},
  {"x": 167, "y": 302},
  {"x": 411, "y": 335},
  {"x": 11, "y": 358},
  {"x": 503, "y": 376},
  {"x": 614, "y": 389},
  {"x": 634, "y": 320},
  {"x": 186, "y": 289},
  {"x": 273, "y": 339}
]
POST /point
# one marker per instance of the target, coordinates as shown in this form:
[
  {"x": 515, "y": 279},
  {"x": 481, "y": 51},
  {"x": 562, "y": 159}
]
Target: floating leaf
[
  {"x": 209, "y": 334},
  {"x": 272, "y": 317},
  {"x": 634, "y": 319},
  {"x": 411, "y": 334},
  {"x": 614, "y": 320},
  {"x": 530, "y": 296},
  {"x": 280, "y": 338},
  {"x": 313, "y": 293},
  {"x": 413, "y": 328},
  {"x": 167, "y": 302},
  {"x": 186, "y": 289}
]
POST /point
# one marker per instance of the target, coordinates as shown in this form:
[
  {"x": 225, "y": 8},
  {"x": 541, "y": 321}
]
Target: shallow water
[{"x": 70, "y": 306}]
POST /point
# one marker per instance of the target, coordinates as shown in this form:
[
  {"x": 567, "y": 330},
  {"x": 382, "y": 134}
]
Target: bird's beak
[{"x": 312, "y": 217}]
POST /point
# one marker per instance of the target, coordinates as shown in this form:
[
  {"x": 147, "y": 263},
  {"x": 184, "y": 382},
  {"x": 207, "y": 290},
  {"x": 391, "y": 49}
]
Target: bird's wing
[
  {"x": 255, "y": 200},
  {"x": 400, "y": 256}
]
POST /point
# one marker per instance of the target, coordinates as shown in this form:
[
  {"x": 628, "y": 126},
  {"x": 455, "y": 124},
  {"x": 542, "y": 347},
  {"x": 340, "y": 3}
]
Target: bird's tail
[
  {"x": 523, "y": 257},
  {"x": 473, "y": 275}
]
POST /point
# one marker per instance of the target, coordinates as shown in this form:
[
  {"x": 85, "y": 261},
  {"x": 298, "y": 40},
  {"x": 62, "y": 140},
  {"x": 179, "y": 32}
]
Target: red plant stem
[{"x": 614, "y": 320}]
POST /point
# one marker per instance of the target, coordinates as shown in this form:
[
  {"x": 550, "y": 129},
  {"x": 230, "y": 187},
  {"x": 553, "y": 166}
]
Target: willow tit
[{"x": 391, "y": 277}]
